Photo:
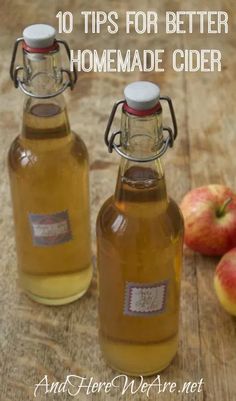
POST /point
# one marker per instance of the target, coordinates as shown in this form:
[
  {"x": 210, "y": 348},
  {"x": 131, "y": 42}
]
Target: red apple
[
  {"x": 210, "y": 219},
  {"x": 225, "y": 281}
]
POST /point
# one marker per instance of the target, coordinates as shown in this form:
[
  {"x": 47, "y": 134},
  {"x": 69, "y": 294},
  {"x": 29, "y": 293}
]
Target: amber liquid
[
  {"x": 48, "y": 168},
  {"x": 139, "y": 235}
]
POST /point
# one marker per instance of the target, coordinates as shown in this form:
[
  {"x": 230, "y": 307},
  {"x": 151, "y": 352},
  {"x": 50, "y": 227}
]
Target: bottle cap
[
  {"x": 39, "y": 36},
  {"x": 142, "y": 95}
]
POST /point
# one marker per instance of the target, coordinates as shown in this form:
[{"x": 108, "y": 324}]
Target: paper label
[
  {"x": 145, "y": 299},
  {"x": 50, "y": 229}
]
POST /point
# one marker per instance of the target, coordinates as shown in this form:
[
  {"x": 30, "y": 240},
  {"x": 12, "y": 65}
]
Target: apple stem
[{"x": 221, "y": 210}]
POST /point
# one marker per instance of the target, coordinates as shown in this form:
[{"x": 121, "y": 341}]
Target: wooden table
[{"x": 36, "y": 340}]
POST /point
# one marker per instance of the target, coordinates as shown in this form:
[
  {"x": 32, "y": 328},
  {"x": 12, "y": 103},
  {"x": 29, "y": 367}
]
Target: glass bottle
[
  {"x": 48, "y": 168},
  {"x": 139, "y": 242}
]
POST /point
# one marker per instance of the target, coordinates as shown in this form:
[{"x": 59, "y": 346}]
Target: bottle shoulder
[
  {"x": 25, "y": 152},
  {"x": 112, "y": 219}
]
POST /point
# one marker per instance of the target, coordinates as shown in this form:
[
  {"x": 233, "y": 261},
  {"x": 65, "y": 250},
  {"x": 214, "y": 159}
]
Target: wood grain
[{"x": 36, "y": 340}]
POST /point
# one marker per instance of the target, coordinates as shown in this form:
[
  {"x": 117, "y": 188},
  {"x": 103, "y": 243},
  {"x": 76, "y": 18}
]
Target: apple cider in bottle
[
  {"x": 140, "y": 240},
  {"x": 48, "y": 167}
]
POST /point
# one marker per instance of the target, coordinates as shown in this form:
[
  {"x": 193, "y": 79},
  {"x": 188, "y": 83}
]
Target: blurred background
[{"x": 36, "y": 340}]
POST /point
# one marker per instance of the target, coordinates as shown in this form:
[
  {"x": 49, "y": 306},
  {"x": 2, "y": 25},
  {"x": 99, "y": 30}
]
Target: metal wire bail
[
  {"x": 167, "y": 142},
  {"x": 14, "y": 71}
]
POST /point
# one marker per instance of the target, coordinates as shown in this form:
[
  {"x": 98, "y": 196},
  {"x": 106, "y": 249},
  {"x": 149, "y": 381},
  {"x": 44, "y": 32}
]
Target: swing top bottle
[
  {"x": 139, "y": 239},
  {"x": 48, "y": 167}
]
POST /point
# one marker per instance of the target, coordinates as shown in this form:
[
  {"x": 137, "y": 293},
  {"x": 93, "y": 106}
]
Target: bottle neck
[
  {"x": 140, "y": 182},
  {"x": 42, "y": 72},
  {"x": 44, "y": 118}
]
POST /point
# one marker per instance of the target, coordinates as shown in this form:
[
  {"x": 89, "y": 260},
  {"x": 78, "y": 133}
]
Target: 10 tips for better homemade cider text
[{"x": 145, "y": 23}]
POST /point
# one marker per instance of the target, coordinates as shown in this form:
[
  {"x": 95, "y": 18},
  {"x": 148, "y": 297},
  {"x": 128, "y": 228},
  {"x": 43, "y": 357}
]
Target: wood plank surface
[{"x": 36, "y": 340}]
